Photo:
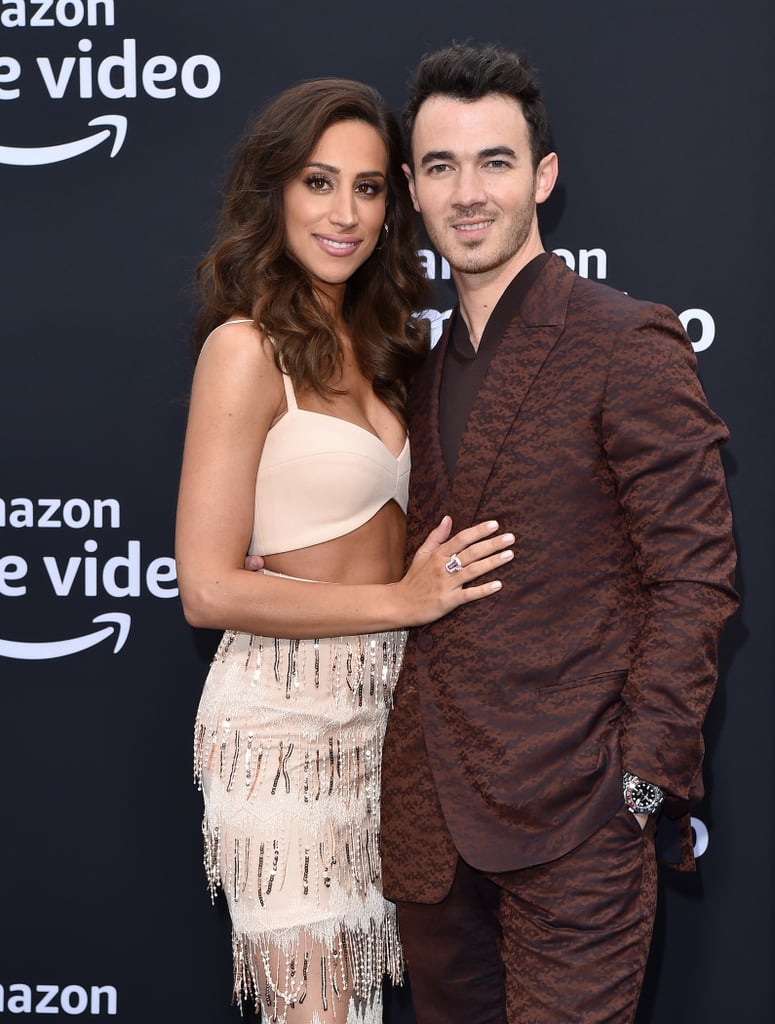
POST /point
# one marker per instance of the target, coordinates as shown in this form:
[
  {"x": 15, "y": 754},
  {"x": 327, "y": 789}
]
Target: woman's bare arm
[{"x": 236, "y": 395}]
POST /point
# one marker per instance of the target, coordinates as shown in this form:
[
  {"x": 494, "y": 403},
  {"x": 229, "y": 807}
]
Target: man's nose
[{"x": 469, "y": 188}]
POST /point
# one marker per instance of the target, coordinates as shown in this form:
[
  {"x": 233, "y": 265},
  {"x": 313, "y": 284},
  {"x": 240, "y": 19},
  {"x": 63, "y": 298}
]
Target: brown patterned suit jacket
[{"x": 592, "y": 441}]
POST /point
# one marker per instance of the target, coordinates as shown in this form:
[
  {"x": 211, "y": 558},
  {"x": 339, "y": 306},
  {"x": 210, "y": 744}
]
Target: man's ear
[
  {"x": 546, "y": 177},
  {"x": 410, "y": 182}
]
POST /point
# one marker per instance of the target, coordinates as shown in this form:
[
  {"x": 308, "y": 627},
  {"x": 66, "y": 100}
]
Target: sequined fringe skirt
[{"x": 288, "y": 754}]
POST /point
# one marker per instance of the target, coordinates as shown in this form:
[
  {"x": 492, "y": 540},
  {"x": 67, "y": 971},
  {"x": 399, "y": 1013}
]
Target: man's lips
[
  {"x": 471, "y": 226},
  {"x": 337, "y": 246}
]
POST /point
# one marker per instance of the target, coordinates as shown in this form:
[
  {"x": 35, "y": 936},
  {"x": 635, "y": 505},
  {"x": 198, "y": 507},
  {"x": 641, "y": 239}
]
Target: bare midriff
[{"x": 374, "y": 553}]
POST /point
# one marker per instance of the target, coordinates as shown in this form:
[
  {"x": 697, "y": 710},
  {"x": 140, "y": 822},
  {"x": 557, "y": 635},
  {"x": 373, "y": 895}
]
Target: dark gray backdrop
[{"x": 662, "y": 116}]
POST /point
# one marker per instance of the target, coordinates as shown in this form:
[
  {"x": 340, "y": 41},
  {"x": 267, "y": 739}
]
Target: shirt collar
[{"x": 506, "y": 308}]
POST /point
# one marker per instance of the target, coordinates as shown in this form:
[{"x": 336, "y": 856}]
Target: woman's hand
[{"x": 435, "y": 582}]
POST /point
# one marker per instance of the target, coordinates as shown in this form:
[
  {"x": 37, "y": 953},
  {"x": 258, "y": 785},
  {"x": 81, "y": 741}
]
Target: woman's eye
[
  {"x": 317, "y": 182},
  {"x": 369, "y": 188}
]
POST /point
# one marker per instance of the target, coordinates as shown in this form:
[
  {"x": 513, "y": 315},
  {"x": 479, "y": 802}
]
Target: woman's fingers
[
  {"x": 467, "y": 594},
  {"x": 471, "y": 535},
  {"x": 469, "y": 589},
  {"x": 462, "y": 580},
  {"x": 477, "y": 551},
  {"x": 485, "y": 564},
  {"x": 445, "y": 569},
  {"x": 476, "y": 559},
  {"x": 438, "y": 535},
  {"x": 466, "y": 539}
]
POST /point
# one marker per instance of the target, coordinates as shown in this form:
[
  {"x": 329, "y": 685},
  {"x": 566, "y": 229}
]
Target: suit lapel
[
  {"x": 430, "y": 494},
  {"x": 524, "y": 348}
]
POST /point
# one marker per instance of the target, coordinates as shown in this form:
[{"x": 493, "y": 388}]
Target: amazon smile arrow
[
  {"x": 37, "y": 155},
  {"x": 47, "y": 649}
]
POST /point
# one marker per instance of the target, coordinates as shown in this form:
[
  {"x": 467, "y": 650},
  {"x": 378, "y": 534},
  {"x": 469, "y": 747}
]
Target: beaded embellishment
[{"x": 288, "y": 754}]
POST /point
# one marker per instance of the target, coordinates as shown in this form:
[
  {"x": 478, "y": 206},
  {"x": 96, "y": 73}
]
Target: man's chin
[{"x": 473, "y": 263}]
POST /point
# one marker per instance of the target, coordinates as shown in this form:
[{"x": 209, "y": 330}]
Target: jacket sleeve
[{"x": 662, "y": 441}]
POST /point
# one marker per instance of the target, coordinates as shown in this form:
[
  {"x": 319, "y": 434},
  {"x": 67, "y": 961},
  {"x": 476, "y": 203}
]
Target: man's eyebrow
[
  {"x": 437, "y": 154},
  {"x": 498, "y": 151},
  {"x": 483, "y": 154},
  {"x": 337, "y": 170}
]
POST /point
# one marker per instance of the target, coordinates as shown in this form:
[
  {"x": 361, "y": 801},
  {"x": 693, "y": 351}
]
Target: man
[{"x": 535, "y": 735}]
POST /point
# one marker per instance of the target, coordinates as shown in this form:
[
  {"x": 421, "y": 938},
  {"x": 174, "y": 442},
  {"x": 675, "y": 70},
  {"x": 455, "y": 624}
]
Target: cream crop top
[{"x": 321, "y": 477}]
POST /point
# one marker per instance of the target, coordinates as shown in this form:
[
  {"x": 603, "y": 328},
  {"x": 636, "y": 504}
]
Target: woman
[{"x": 296, "y": 450}]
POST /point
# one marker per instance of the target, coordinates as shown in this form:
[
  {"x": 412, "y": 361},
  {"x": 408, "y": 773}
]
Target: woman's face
[{"x": 335, "y": 209}]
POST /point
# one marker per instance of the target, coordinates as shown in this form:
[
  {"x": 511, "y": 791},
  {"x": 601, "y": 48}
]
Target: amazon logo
[
  {"x": 111, "y": 126},
  {"x": 85, "y": 75},
  {"x": 89, "y": 574},
  {"x": 96, "y": 1001},
  {"x": 45, "y": 650}
]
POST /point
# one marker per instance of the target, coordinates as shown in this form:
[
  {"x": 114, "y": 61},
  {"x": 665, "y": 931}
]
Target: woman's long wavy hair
[{"x": 250, "y": 272}]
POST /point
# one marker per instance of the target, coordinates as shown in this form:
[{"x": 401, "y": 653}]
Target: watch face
[{"x": 642, "y": 797}]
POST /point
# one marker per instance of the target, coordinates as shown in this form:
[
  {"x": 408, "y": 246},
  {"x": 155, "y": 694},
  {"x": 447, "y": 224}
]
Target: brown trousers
[{"x": 559, "y": 943}]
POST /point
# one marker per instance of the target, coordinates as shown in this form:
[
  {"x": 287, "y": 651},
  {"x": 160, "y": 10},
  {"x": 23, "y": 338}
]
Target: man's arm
[{"x": 662, "y": 441}]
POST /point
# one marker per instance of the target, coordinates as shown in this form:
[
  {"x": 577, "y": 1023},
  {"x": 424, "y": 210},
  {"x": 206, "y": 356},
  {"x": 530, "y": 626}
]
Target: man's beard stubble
[{"x": 467, "y": 258}]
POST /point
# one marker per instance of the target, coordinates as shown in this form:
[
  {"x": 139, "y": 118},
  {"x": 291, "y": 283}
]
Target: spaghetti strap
[
  {"x": 290, "y": 394},
  {"x": 239, "y": 320}
]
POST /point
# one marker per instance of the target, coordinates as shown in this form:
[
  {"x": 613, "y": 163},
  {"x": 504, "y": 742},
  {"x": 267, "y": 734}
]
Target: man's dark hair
[{"x": 469, "y": 72}]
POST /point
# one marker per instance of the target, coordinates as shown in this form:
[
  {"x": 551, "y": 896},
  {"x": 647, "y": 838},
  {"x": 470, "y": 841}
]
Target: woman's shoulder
[
  {"x": 238, "y": 339},
  {"x": 239, "y": 357},
  {"x": 237, "y": 329}
]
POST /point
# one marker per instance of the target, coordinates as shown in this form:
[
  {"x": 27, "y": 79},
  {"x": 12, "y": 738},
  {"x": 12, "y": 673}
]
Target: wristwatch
[{"x": 640, "y": 796}]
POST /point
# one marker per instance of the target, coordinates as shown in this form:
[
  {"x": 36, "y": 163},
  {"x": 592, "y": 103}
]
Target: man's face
[{"x": 474, "y": 183}]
